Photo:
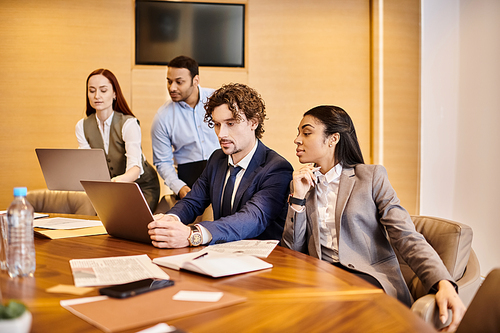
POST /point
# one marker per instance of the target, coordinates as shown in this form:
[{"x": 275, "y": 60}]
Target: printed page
[
  {"x": 114, "y": 270},
  {"x": 35, "y": 215},
  {"x": 257, "y": 248},
  {"x": 65, "y": 223}
]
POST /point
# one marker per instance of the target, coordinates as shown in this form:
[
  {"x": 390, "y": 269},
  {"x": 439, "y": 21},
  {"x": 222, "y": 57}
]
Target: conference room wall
[
  {"x": 298, "y": 55},
  {"x": 48, "y": 48},
  {"x": 460, "y": 137}
]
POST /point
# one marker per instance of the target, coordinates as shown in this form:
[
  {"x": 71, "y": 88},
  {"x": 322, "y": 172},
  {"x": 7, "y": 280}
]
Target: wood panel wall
[
  {"x": 396, "y": 95},
  {"x": 304, "y": 54},
  {"x": 300, "y": 54},
  {"x": 47, "y": 50}
]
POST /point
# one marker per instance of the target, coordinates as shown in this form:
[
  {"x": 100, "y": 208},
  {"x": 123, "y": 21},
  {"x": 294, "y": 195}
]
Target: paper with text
[
  {"x": 251, "y": 247},
  {"x": 114, "y": 270},
  {"x": 65, "y": 223},
  {"x": 35, "y": 215}
]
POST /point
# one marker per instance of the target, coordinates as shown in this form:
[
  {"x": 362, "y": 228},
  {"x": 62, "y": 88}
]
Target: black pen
[{"x": 200, "y": 256}]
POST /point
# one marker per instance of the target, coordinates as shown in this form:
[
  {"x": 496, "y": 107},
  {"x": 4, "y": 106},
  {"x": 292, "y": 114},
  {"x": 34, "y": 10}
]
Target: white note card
[{"x": 197, "y": 296}]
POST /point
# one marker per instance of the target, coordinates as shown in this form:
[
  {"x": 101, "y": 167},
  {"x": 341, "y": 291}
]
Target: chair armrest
[
  {"x": 426, "y": 308},
  {"x": 470, "y": 282}
]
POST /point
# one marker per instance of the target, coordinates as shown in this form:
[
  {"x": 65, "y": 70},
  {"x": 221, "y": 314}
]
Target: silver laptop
[
  {"x": 64, "y": 168},
  {"x": 122, "y": 209}
]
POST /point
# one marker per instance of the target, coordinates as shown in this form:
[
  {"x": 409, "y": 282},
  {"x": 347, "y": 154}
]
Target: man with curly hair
[{"x": 246, "y": 182}]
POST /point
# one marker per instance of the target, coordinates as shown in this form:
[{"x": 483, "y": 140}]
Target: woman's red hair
[{"x": 120, "y": 104}]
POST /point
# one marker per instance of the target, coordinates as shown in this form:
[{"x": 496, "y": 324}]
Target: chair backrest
[
  {"x": 451, "y": 240},
  {"x": 63, "y": 202},
  {"x": 483, "y": 314}
]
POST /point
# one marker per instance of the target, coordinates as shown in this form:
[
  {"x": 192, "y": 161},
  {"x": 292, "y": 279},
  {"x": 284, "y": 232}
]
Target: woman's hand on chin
[{"x": 303, "y": 180}]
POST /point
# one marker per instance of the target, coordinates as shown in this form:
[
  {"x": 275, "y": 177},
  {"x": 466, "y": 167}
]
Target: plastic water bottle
[{"x": 21, "y": 257}]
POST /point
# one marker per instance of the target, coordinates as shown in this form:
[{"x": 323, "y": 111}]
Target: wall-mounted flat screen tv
[{"x": 211, "y": 33}]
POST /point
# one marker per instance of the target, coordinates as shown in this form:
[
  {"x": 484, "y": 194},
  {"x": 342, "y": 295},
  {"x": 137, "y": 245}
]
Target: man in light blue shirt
[{"x": 179, "y": 133}]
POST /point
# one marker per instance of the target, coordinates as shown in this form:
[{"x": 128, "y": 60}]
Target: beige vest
[{"x": 117, "y": 162}]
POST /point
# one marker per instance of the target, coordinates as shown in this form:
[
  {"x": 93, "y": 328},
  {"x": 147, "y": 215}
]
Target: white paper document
[
  {"x": 35, "y": 215},
  {"x": 65, "y": 223},
  {"x": 252, "y": 247},
  {"x": 213, "y": 264},
  {"x": 159, "y": 328},
  {"x": 198, "y": 296},
  {"x": 68, "y": 302},
  {"x": 176, "y": 261},
  {"x": 114, "y": 270}
]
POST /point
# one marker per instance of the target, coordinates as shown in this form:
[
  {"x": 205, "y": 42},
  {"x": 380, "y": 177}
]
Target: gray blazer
[{"x": 371, "y": 218}]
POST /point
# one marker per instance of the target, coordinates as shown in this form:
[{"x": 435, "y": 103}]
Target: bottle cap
[{"x": 20, "y": 191}]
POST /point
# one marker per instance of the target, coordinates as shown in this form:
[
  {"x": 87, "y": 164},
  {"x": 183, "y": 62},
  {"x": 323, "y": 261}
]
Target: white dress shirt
[
  {"x": 327, "y": 189},
  {"x": 244, "y": 165},
  {"x": 131, "y": 134}
]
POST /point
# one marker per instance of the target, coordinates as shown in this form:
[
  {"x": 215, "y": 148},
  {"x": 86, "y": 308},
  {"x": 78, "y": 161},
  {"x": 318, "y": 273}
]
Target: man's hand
[
  {"x": 168, "y": 232},
  {"x": 183, "y": 191},
  {"x": 447, "y": 298}
]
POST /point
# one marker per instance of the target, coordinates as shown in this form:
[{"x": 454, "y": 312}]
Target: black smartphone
[{"x": 135, "y": 288}]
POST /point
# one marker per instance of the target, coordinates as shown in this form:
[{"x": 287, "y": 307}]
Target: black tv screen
[{"x": 211, "y": 33}]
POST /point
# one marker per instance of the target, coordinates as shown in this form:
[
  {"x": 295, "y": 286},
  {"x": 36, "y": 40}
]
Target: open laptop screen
[{"x": 64, "y": 168}]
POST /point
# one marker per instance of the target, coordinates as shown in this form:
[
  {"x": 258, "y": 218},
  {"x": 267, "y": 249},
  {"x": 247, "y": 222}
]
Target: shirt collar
[
  {"x": 245, "y": 161},
  {"x": 107, "y": 122},
  {"x": 110, "y": 118},
  {"x": 187, "y": 106},
  {"x": 332, "y": 175}
]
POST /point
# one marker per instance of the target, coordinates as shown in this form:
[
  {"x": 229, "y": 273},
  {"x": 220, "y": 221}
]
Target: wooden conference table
[{"x": 299, "y": 294}]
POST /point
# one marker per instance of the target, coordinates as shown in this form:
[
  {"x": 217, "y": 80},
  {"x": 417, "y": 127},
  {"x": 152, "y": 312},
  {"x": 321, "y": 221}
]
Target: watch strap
[{"x": 296, "y": 201}]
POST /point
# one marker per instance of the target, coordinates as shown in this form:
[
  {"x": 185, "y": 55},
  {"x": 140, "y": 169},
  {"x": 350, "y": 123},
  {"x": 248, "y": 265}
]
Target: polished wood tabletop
[{"x": 299, "y": 294}]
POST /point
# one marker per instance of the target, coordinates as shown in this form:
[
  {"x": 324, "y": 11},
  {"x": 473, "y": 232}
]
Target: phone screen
[{"x": 135, "y": 288}]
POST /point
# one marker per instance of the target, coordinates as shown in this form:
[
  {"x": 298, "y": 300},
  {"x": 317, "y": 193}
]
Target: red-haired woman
[{"x": 111, "y": 125}]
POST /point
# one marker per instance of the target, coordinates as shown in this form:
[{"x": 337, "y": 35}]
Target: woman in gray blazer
[{"x": 347, "y": 213}]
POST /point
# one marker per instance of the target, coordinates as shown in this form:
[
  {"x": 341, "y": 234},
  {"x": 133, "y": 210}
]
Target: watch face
[{"x": 195, "y": 239}]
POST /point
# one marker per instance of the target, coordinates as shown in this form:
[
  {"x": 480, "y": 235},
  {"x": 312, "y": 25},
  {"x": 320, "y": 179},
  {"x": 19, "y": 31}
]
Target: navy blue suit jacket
[{"x": 259, "y": 207}]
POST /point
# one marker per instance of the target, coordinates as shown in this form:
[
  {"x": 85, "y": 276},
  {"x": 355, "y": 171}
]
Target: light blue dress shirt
[{"x": 180, "y": 135}]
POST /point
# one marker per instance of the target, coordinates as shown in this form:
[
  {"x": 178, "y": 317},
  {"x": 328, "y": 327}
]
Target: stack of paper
[
  {"x": 35, "y": 215},
  {"x": 62, "y": 227}
]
